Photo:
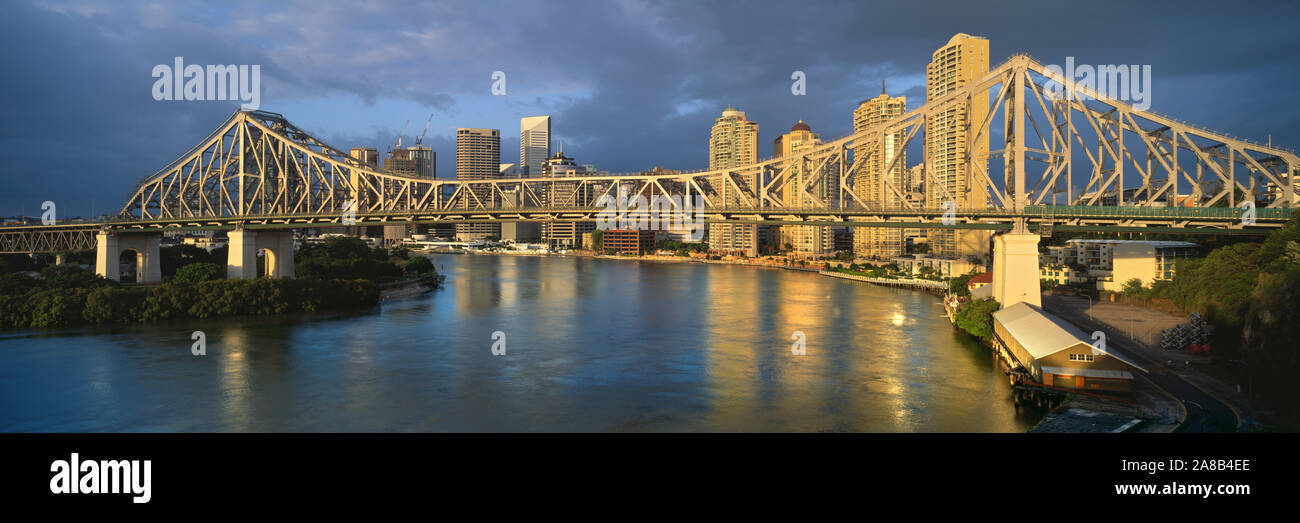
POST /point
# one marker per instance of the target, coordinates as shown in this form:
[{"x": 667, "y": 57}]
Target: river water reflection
[{"x": 591, "y": 345}]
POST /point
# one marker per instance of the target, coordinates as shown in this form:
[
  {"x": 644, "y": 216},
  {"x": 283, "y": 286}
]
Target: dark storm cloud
[{"x": 629, "y": 84}]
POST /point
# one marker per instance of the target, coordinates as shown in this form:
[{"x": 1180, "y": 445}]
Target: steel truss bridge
[{"x": 1139, "y": 172}]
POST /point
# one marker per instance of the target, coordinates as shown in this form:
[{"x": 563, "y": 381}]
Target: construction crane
[
  {"x": 426, "y": 130},
  {"x": 399, "y": 135}
]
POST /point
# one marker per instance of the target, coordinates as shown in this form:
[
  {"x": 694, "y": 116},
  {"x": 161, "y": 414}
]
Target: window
[{"x": 1080, "y": 357}]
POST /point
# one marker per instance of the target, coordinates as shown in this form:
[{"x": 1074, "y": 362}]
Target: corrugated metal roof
[
  {"x": 1040, "y": 333},
  {"x": 1043, "y": 334}
]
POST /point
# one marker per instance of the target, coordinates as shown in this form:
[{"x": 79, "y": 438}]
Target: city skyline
[
  {"x": 240, "y": 238},
  {"x": 602, "y": 117}
]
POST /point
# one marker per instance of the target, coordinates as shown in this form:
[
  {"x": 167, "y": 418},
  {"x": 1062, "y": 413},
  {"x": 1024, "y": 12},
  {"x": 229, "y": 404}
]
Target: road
[{"x": 1205, "y": 413}]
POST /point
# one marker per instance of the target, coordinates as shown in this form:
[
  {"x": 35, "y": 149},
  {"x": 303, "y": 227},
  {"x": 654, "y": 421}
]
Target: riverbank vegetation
[
  {"x": 681, "y": 249},
  {"x": 342, "y": 273},
  {"x": 865, "y": 269},
  {"x": 1250, "y": 293},
  {"x": 976, "y": 318},
  {"x": 889, "y": 271}
]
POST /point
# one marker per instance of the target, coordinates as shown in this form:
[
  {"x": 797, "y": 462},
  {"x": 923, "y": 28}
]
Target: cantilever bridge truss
[
  {"x": 1044, "y": 147},
  {"x": 1068, "y": 157}
]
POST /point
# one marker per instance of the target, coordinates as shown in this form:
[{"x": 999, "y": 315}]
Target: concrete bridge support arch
[
  {"x": 109, "y": 247},
  {"x": 244, "y": 246},
  {"x": 1015, "y": 267}
]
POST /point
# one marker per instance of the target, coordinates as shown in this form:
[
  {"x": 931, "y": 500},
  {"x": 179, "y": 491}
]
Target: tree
[
  {"x": 68, "y": 276},
  {"x": 171, "y": 259},
  {"x": 419, "y": 265},
  {"x": 347, "y": 258},
  {"x": 198, "y": 272},
  {"x": 976, "y": 317},
  {"x": 1132, "y": 287},
  {"x": 960, "y": 285}
]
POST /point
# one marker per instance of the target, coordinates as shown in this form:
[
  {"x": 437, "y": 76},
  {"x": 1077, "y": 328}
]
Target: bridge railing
[
  {"x": 1155, "y": 212},
  {"x": 1031, "y": 211}
]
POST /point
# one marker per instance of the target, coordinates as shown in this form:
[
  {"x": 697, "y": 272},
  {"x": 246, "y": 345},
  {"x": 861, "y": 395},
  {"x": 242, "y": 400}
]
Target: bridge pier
[
  {"x": 1015, "y": 267},
  {"x": 108, "y": 252},
  {"x": 244, "y": 246}
]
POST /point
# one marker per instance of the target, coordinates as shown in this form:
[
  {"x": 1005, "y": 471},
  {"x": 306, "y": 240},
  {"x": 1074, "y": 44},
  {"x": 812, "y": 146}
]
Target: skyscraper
[
  {"x": 478, "y": 157},
  {"x": 804, "y": 239},
  {"x": 534, "y": 144},
  {"x": 733, "y": 143},
  {"x": 417, "y": 161},
  {"x": 885, "y": 166},
  {"x": 964, "y": 59}
]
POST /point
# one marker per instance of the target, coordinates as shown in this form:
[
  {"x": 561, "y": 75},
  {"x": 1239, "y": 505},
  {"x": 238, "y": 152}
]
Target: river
[{"x": 589, "y": 345}]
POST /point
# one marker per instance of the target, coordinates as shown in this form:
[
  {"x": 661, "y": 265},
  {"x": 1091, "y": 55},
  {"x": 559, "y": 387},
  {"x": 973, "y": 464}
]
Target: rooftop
[{"x": 1043, "y": 334}]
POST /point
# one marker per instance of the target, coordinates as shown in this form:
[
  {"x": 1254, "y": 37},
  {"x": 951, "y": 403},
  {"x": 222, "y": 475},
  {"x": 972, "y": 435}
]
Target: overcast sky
[{"x": 629, "y": 84}]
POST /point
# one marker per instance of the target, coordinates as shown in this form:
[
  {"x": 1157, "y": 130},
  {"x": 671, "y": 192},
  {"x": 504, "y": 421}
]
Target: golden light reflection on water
[
  {"x": 231, "y": 349},
  {"x": 594, "y": 345}
]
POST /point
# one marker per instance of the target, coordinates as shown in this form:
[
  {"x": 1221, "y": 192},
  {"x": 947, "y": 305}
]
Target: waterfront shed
[{"x": 1056, "y": 353}]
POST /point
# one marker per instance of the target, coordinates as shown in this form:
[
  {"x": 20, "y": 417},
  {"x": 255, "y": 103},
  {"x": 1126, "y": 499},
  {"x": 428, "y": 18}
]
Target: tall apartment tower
[
  {"x": 478, "y": 157},
  {"x": 534, "y": 144},
  {"x": 803, "y": 239},
  {"x": 963, "y": 60},
  {"x": 733, "y": 143},
  {"x": 885, "y": 165}
]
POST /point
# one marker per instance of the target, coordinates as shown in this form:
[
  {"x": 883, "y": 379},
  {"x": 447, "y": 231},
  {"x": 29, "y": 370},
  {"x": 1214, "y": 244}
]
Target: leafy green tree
[
  {"x": 960, "y": 285},
  {"x": 419, "y": 265},
  {"x": 171, "y": 259},
  {"x": 199, "y": 272},
  {"x": 976, "y": 317},
  {"x": 1220, "y": 284},
  {"x": 56, "y": 307},
  {"x": 110, "y": 305},
  {"x": 1132, "y": 287},
  {"x": 347, "y": 258}
]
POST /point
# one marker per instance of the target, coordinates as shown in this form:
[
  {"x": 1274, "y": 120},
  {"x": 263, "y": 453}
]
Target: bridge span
[{"x": 1117, "y": 169}]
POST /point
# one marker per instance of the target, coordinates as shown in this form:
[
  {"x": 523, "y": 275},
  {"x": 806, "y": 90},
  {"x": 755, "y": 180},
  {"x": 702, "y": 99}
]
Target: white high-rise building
[{"x": 534, "y": 144}]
